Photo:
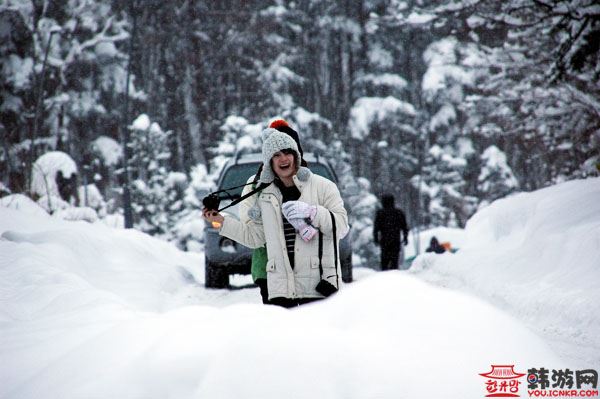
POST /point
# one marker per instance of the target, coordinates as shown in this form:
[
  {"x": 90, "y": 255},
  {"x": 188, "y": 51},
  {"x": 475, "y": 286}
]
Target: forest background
[{"x": 448, "y": 105}]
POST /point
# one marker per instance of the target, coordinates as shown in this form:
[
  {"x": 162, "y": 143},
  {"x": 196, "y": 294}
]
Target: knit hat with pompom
[
  {"x": 273, "y": 142},
  {"x": 283, "y": 126}
]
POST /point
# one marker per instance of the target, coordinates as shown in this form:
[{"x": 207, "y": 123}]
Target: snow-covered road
[{"x": 88, "y": 311}]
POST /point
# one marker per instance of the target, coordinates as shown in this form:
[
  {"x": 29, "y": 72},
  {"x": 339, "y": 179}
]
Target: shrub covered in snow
[
  {"x": 109, "y": 151},
  {"x": 90, "y": 196},
  {"x": 76, "y": 213},
  {"x": 50, "y": 167},
  {"x": 52, "y": 203}
]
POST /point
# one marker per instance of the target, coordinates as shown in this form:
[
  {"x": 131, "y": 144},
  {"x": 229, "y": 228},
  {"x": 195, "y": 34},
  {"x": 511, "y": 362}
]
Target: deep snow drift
[
  {"x": 88, "y": 311},
  {"x": 536, "y": 255}
]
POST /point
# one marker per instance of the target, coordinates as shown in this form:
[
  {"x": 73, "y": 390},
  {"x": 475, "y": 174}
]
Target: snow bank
[
  {"x": 89, "y": 311},
  {"x": 537, "y": 255},
  {"x": 23, "y": 203},
  {"x": 141, "y": 271}
]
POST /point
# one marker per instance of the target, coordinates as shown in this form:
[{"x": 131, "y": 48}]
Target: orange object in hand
[{"x": 216, "y": 225}]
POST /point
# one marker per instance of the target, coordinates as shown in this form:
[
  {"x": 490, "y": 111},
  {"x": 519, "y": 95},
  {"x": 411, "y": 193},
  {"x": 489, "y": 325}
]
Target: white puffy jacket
[{"x": 282, "y": 280}]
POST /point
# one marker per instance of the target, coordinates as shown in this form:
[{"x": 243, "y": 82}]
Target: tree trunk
[{"x": 191, "y": 116}]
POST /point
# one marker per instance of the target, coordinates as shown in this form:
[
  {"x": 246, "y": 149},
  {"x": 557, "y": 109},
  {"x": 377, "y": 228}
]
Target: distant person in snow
[
  {"x": 259, "y": 255},
  {"x": 435, "y": 246},
  {"x": 297, "y": 215},
  {"x": 390, "y": 225}
]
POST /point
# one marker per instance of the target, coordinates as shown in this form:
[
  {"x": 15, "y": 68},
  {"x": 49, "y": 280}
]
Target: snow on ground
[
  {"x": 88, "y": 311},
  {"x": 537, "y": 256}
]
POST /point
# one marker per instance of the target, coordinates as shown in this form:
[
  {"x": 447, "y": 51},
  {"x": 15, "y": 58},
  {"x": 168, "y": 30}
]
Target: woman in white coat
[{"x": 289, "y": 215}]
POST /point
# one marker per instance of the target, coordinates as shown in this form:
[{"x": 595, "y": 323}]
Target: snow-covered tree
[
  {"x": 535, "y": 98},
  {"x": 496, "y": 179},
  {"x": 17, "y": 85},
  {"x": 519, "y": 75},
  {"x": 87, "y": 69},
  {"x": 154, "y": 191},
  {"x": 188, "y": 230},
  {"x": 107, "y": 155},
  {"x": 384, "y": 145},
  {"x": 237, "y": 134},
  {"x": 444, "y": 185}
]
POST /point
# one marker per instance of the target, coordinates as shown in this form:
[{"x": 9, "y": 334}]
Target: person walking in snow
[
  {"x": 258, "y": 268},
  {"x": 390, "y": 222},
  {"x": 297, "y": 216}
]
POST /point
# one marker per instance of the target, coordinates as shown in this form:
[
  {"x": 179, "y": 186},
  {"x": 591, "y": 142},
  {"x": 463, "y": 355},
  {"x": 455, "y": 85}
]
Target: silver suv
[{"x": 225, "y": 256}]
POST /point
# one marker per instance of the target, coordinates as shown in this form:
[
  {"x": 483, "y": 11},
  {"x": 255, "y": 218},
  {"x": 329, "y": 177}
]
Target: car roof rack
[{"x": 237, "y": 156}]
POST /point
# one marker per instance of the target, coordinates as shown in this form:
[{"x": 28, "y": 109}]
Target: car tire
[
  {"x": 347, "y": 270},
  {"x": 215, "y": 276}
]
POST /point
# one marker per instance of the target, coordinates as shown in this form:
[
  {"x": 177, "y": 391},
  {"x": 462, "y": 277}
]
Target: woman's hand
[{"x": 214, "y": 217}]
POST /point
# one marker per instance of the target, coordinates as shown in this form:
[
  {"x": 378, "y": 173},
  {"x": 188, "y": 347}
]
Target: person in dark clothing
[
  {"x": 390, "y": 225},
  {"x": 435, "y": 246}
]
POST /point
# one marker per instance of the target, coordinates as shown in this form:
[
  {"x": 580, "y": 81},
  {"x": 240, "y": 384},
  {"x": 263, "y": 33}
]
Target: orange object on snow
[{"x": 447, "y": 246}]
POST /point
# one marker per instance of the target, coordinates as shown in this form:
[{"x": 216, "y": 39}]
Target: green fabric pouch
[{"x": 259, "y": 263}]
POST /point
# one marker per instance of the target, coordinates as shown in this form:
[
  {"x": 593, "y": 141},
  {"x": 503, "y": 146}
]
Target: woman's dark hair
[
  {"x": 289, "y": 151},
  {"x": 295, "y": 154}
]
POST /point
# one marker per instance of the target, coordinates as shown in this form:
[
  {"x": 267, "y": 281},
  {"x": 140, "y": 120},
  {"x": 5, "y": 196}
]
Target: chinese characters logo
[{"x": 538, "y": 378}]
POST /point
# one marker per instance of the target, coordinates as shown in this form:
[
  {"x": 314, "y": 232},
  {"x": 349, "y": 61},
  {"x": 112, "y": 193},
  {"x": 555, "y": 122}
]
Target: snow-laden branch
[
  {"x": 457, "y": 6},
  {"x": 584, "y": 98},
  {"x": 77, "y": 49}
]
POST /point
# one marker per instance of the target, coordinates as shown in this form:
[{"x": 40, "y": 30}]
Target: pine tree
[
  {"x": 156, "y": 194},
  {"x": 496, "y": 179}
]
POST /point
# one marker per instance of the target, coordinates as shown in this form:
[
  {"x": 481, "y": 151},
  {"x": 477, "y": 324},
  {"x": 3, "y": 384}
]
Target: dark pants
[
  {"x": 292, "y": 303},
  {"x": 389, "y": 257},
  {"x": 264, "y": 292},
  {"x": 283, "y": 302}
]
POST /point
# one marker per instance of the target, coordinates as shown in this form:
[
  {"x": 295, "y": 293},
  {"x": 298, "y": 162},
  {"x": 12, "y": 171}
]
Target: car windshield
[{"x": 239, "y": 174}]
